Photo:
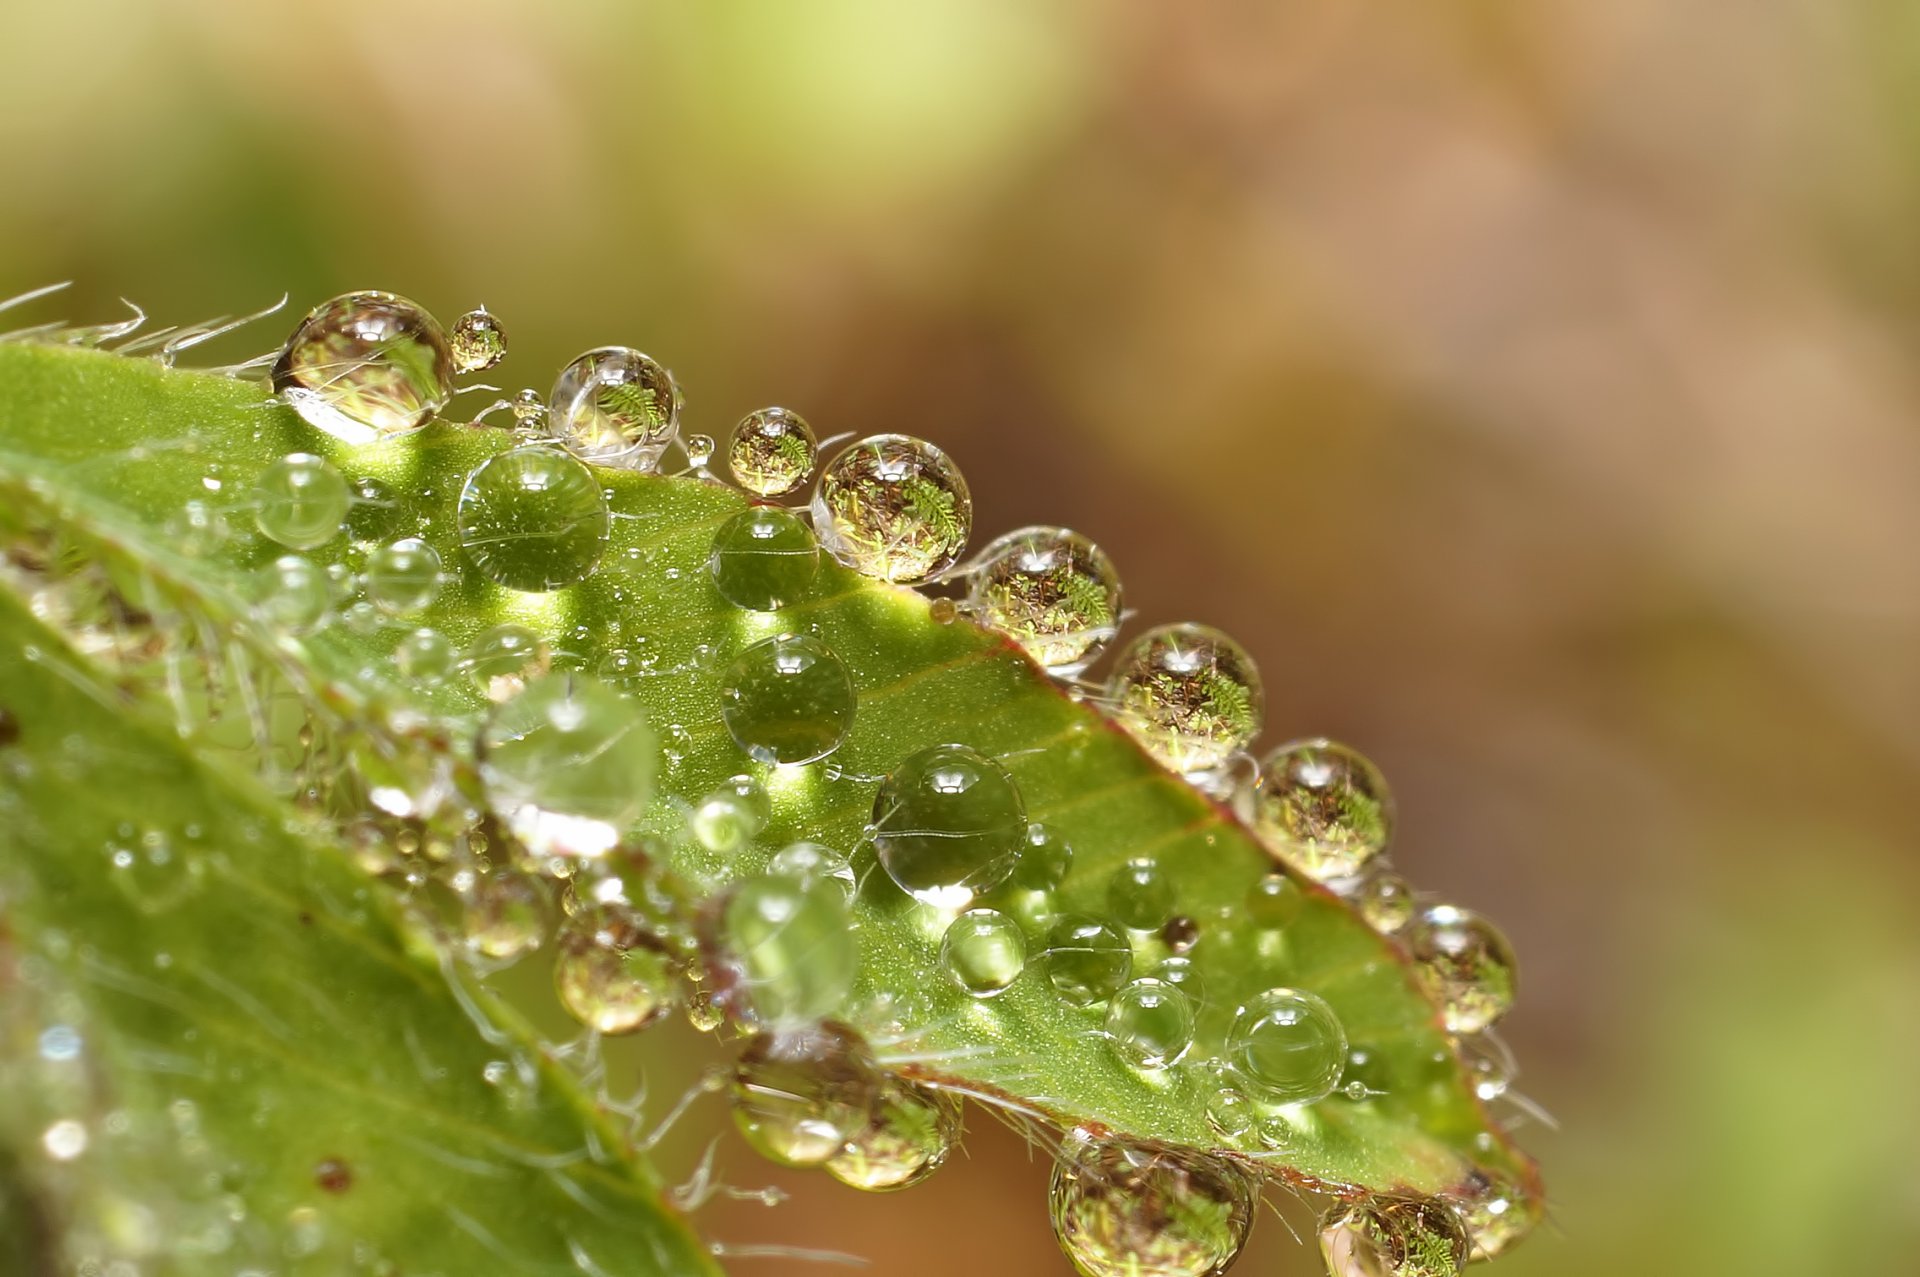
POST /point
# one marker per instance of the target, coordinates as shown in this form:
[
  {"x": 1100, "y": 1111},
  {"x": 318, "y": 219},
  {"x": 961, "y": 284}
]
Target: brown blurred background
[{"x": 1531, "y": 384}]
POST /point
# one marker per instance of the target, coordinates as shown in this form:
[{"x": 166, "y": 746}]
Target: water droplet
[
  {"x": 529, "y": 411},
  {"x": 772, "y": 452},
  {"x": 300, "y": 501},
  {"x": 1150, "y": 1023},
  {"x": 1497, "y": 1212},
  {"x": 612, "y": 974},
  {"x": 365, "y": 365},
  {"x": 730, "y": 817},
  {"x": 1288, "y": 1046},
  {"x": 1385, "y": 900},
  {"x": 1087, "y": 959},
  {"x": 793, "y": 944},
  {"x": 1393, "y": 1237},
  {"x": 787, "y": 700},
  {"x": 949, "y": 824},
  {"x": 983, "y": 951},
  {"x": 198, "y": 529},
  {"x": 763, "y": 559},
  {"x": 943, "y": 612},
  {"x": 800, "y": 1094},
  {"x": 403, "y": 577},
  {"x": 1050, "y": 590},
  {"x": 615, "y": 407},
  {"x": 909, "y": 1134},
  {"x": 699, "y": 450},
  {"x": 811, "y": 862},
  {"x": 505, "y": 659},
  {"x": 1140, "y": 894},
  {"x": 506, "y": 915},
  {"x": 376, "y": 512},
  {"x": 1466, "y": 965},
  {"x": 64, "y": 1140},
  {"x": 1128, "y": 1210},
  {"x": 1180, "y": 934},
  {"x": 60, "y": 1043},
  {"x": 568, "y": 765},
  {"x": 293, "y": 593},
  {"x": 1323, "y": 808},
  {"x": 477, "y": 341},
  {"x": 1189, "y": 694},
  {"x": 1230, "y": 1113},
  {"x": 1274, "y": 901},
  {"x": 534, "y": 519},
  {"x": 361, "y": 618},
  {"x": 1045, "y": 859},
  {"x": 1179, "y": 970},
  {"x": 893, "y": 507}
]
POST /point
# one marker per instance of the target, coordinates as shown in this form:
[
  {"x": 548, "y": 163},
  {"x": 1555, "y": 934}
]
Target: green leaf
[{"x": 105, "y": 454}]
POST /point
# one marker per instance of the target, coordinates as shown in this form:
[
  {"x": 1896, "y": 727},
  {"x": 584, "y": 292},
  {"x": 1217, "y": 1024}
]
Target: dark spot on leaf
[
  {"x": 306, "y": 919},
  {"x": 333, "y": 1175},
  {"x": 1181, "y": 933},
  {"x": 9, "y": 728}
]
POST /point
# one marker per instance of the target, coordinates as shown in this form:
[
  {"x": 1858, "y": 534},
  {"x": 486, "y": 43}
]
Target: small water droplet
[
  {"x": 615, "y": 407},
  {"x": 376, "y": 513},
  {"x": 1274, "y": 901},
  {"x": 763, "y": 559},
  {"x": 893, "y": 507},
  {"x": 504, "y": 659},
  {"x": 403, "y": 577},
  {"x": 425, "y": 655},
  {"x": 293, "y": 593},
  {"x": 1044, "y": 860},
  {"x": 198, "y": 529},
  {"x": 1323, "y": 808},
  {"x": 699, "y": 450},
  {"x": 1180, "y": 934},
  {"x": 1140, "y": 894},
  {"x": 364, "y": 365},
  {"x": 1386, "y": 901},
  {"x": 1150, "y": 1023},
  {"x": 910, "y": 1131},
  {"x": 729, "y": 818},
  {"x": 612, "y": 974},
  {"x": 568, "y": 765},
  {"x": 811, "y": 862},
  {"x": 1393, "y": 1237},
  {"x": 1230, "y": 1113},
  {"x": 983, "y": 951},
  {"x": 1050, "y": 590},
  {"x": 533, "y": 519},
  {"x": 1497, "y": 1212},
  {"x": 1466, "y": 965},
  {"x": 1122, "y": 1209},
  {"x": 300, "y": 501},
  {"x": 477, "y": 341},
  {"x": 948, "y": 824},
  {"x": 788, "y": 700},
  {"x": 1087, "y": 959},
  {"x": 800, "y": 1094},
  {"x": 506, "y": 915},
  {"x": 1189, "y": 695},
  {"x": 793, "y": 944},
  {"x": 1288, "y": 1046},
  {"x": 772, "y": 452}
]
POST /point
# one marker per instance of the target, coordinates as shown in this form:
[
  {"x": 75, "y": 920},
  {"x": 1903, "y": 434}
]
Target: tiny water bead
[
  {"x": 1466, "y": 965},
  {"x": 909, "y": 1134},
  {"x": 568, "y": 765},
  {"x": 1230, "y": 1113},
  {"x": 533, "y": 519},
  {"x": 293, "y": 593},
  {"x": 1180, "y": 934},
  {"x": 1323, "y": 807},
  {"x": 983, "y": 951},
  {"x": 366, "y": 365},
  {"x": 772, "y": 452},
  {"x": 403, "y": 577},
  {"x": 811, "y": 862},
  {"x": 800, "y": 1094},
  {"x": 1393, "y": 1237},
  {"x": 1386, "y": 901},
  {"x": 1050, "y": 590},
  {"x": 1150, "y": 1023},
  {"x": 1138, "y": 1210},
  {"x": 1045, "y": 859},
  {"x": 376, "y": 512},
  {"x": 477, "y": 341},
  {"x": 505, "y": 659},
  {"x": 763, "y": 559},
  {"x": 1497, "y": 1212},
  {"x": 1288, "y": 1046},
  {"x": 1274, "y": 901},
  {"x": 893, "y": 507},
  {"x": 300, "y": 501},
  {"x": 612, "y": 974},
  {"x": 1140, "y": 894},
  {"x": 615, "y": 407},
  {"x": 731, "y": 817},
  {"x": 787, "y": 699},
  {"x": 1087, "y": 959},
  {"x": 948, "y": 824},
  {"x": 505, "y": 915},
  {"x": 793, "y": 945},
  {"x": 1189, "y": 695}
]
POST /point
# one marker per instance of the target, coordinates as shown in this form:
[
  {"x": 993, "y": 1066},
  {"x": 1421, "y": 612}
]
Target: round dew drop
[
  {"x": 1150, "y": 1023},
  {"x": 1045, "y": 859},
  {"x": 403, "y": 577},
  {"x": 1288, "y": 1047},
  {"x": 811, "y": 862},
  {"x": 788, "y": 699},
  {"x": 615, "y": 407},
  {"x": 983, "y": 952},
  {"x": 1087, "y": 959},
  {"x": 533, "y": 519},
  {"x": 1498, "y": 1214},
  {"x": 1128, "y": 1210},
  {"x": 732, "y": 816},
  {"x": 763, "y": 559},
  {"x": 1393, "y": 1237},
  {"x": 366, "y": 365},
  {"x": 893, "y": 507},
  {"x": 425, "y": 656},
  {"x": 477, "y": 341},
  {"x": 772, "y": 452},
  {"x": 908, "y": 1136},
  {"x": 1140, "y": 894},
  {"x": 1323, "y": 808},
  {"x": 300, "y": 501},
  {"x": 1466, "y": 965},
  {"x": 504, "y": 659},
  {"x": 800, "y": 1094},
  {"x": 1230, "y": 1113},
  {"x": 568, "y": 765},
  {"x": 293, "y": 593},
  {"x": 1050, "y": 590},
  {"x": 506, "y": 915},
  {"x": 793, "y": 945},
  {"x": 1274, "y": 901},
  {"x": 699, "y": 450},
  {"x": 613, "y": 975},
  {"x": 1189, "y": 695},
  {"x": 948, "y": 825},
  {"x": 1386, "y": 901}
]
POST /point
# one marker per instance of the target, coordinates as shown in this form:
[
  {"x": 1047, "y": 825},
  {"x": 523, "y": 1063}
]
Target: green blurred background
[{"x": 1529, "y": 383}]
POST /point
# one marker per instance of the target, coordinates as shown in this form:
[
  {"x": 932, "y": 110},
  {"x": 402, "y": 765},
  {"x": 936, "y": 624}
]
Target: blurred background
[{"x": 1530, "y": 384}]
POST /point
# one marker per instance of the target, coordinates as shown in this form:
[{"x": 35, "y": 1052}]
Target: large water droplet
[
  {"x": 1135, "y": 1210},
  {"x": 506, "y": 915},
  {"x": 612, "y": 974},
  {"x": 1150, "y": 1023},
  {"x": 300, "y": 501},
  {"x": 615, "y": 407},
  {"x": 909, "y": 1134},
  {"x": 1189, "y": 694},
  {"x": 793, "y": 944},
  {"x": 477, "y": 341},
  {"x": 504, "y": 659},
  {"x": 983, "y": 951},
  {"x": 365, "y": 365},
  {"x": 763, "y": 559},
  {"x": 1393, "y": 1237},
  {"x": 1140, "y": 894},
  {"x": 568, "y": 765},
  {"x": 1288, "y": 1046},
  {"x": 1323, "y": 807},
  {"x": 534, "y": 519},
  {"x": 893, "y": 507},
  {"x": 1087, "y": 959},
  {"x": 800, "y": 1094},
  {"x": 1050, "y": 590},
  {"x": 787, "y": 700},
  {"x": 1466, "y": 965},
  {"x": 403, "y": 577},
  {"x": 949, "y": 824},
  {"x": 772, "y": 452}
]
